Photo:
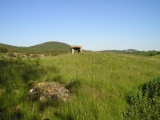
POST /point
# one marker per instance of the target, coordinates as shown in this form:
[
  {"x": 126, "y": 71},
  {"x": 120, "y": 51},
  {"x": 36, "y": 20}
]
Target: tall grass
[
  {"x": 107, "y": 78},
  {"x": 16, "y": 77},
  {"x": 98, "y": 83}
]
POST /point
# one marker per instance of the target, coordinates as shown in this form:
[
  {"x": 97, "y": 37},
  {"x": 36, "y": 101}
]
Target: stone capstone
[{"x": 76, "y": 47}]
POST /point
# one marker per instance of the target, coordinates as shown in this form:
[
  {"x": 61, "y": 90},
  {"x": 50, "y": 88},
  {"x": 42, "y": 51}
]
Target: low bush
[
  {"x": 144, "y": 102},
  {"x": 3, "y": 50}
]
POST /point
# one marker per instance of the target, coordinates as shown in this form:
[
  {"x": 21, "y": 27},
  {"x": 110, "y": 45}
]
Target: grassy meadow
[{"x": 99, "y": 83}]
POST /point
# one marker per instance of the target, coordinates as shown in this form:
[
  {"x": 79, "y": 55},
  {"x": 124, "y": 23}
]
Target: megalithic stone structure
[{"x": 76, "y": 47}]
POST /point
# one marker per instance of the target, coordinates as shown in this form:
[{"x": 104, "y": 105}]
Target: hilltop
[
  {"x": 49, "y": 46},
  {"x": 44, "y": 47}
]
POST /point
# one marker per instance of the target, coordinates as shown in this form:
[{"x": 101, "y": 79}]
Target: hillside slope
[
  {"x": 98, "y": 84},
  {"x": 9, "y": 47},
  {"x": 47, "y": 46},
  {"x": 104, "y": 80}
]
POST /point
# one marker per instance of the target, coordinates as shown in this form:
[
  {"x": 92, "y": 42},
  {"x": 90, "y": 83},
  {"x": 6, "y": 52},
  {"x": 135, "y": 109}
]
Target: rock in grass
[{"x": 46, "y": 91}]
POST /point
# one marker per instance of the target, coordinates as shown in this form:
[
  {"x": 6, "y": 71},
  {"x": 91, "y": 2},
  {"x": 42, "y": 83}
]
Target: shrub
[
  {"x": 11, "y": 55},
  {"x": 3, "y": 50},
  {"x": 144, "y": 101}
]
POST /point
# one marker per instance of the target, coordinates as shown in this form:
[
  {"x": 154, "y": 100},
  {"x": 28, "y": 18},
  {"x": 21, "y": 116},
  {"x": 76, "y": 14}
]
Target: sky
[{"x": 93, "y": 24}]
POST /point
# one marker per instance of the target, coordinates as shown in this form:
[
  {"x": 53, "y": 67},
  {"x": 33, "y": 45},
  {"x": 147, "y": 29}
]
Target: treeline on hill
[
  {"x": 147, "y": 53},
  {"x": 143, "y": 53},
  {"x": 48, "y": 49},
  {"x": 135, "y": 52},
  {"x": 3, "y": 50},
  {"x": 12, "y": 53}
]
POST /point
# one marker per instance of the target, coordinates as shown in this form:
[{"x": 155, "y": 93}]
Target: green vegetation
[
  {"x": 147, "y": 53},
  {"x": 17, "y": 77},
  {"x": 135, "y": 52},
  {"x": 48, "y": 47},
  {"x": 3, "y": 50},
  {"x": 101, "y": 85},
  {"x": 144, "y": 102}
]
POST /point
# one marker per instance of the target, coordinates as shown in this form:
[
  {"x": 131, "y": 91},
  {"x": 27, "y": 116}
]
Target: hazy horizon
[{"x": 82, "y": 47}]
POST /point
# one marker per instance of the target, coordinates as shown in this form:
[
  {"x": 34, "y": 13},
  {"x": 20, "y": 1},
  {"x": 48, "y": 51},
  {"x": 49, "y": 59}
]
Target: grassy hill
[
  {"x": 99, "y": 83},
  {"x": 9, "y": 47},
  {"x": 44, "y": 47},
  {"x": 49, "y": 46}
]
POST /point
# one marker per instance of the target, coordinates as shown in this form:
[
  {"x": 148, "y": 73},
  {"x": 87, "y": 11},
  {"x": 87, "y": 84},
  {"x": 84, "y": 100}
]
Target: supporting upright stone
[
  {"x": 72, "y": 51},
  {"x": 76, "y": 47},
  {"x": 81, "y": 50}
]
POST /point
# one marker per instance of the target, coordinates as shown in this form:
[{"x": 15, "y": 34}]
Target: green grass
[{"x": 98, "y": 82}]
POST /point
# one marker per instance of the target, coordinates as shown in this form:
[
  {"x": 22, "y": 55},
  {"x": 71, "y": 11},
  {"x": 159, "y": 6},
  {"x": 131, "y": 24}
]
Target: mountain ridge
[{"x": 43, "y": 47}]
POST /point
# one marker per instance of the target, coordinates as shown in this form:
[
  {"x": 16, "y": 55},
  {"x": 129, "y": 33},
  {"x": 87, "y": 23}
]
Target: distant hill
[
  {"x": 121, "y": 51},
  {"x": 9, "y": 47},
  {"x": 44, "y": 47},
  {"x": 49, "y": 46},
  {"x": 135, "y": 52}
]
